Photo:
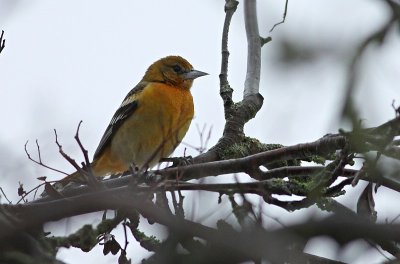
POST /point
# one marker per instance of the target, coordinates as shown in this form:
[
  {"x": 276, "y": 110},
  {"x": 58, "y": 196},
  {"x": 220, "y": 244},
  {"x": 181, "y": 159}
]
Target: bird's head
[{"x": 172, "y": 70}]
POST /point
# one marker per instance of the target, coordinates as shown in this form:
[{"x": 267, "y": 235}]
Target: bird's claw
[
  {"x": 151, "y": 177},
  {"x": 179, "y": 161}
]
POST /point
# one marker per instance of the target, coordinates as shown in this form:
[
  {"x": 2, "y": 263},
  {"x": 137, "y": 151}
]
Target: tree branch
[
  {"x": 248, "y": 164},
  {"x": 2, "y": 41},
  {"x": 271, "y": 245},
  {"x": 225, "y": 89},
  {"x": 252, "y": 82},
  {"x": 238, "y": 114},
  {"x": 378, "y": 36}
]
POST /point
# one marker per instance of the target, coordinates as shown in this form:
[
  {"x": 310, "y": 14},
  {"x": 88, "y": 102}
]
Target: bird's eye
[{"x": 177, "y": 68}]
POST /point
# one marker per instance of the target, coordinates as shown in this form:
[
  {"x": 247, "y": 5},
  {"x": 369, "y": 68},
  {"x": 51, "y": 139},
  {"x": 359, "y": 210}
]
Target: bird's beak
[{"x": 193, "y": 74}]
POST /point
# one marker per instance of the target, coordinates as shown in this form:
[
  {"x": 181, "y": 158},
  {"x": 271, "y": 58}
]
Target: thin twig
[
  {"x": 92, "y": 180},
  {"x": 396, "y": 109},
  {"x": 32, "y": 190},
  {"x": 38, "y": 150},
  {"x": 68, "y": 158},
  {"x": 395, "y": 219},
  {"x": 40, "y": 158},
  {"x": 84, "y": 151},
  {"x": 5, "y": 196},
  {"x": 283, "y": 18},
  {"x": 203, "y": 142},
  {"x": 22, "y": 192},
  {"x": 125, "y": 235},
  {"x": 2, "y": 41},
  {"x": 208, "y": 137},
  {"x": 201, "y": 134},
  {"x": 378, "y": 36},
  {"x": 89, "y": 177}
]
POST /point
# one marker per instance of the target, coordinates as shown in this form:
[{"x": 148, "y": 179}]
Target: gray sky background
[{"x": 67, "y": 61}]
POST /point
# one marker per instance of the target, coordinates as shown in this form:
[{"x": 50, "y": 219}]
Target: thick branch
[
  {"x": 261, "y": 243},
  {"x": 250, "y": 164},
  {"x": 238, "y": 114},
  {"x": 320, "y": 147}
]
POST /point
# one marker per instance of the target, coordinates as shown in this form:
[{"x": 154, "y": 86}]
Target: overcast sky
[{"x": 67, "y": 61}]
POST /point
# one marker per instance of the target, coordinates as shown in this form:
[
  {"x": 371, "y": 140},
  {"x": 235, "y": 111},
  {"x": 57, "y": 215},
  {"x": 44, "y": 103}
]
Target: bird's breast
[
  {"x": 163, "y": 104},
  {"x": 157, "y": 126}
]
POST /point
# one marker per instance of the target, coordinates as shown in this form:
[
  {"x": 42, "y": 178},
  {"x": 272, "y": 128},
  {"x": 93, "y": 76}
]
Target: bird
[{"x": 151, "y": 121}]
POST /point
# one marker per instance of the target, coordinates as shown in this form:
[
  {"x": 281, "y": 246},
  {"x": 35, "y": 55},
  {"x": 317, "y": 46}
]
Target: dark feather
[{"x": 127, "y": 108}]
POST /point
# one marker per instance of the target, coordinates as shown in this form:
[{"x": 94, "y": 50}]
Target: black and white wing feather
[{"x": 127, "y": 108}]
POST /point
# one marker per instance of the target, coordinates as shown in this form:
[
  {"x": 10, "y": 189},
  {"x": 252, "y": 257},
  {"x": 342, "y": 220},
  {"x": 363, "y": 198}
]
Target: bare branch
[
  {"x": 321, "y": 147},
  {"x": 225, "y": 89},
  {"x": 238, "y": 114},
  {"x": 235, "y": 153},
  {"x": 84, "y": 151},
  {"x": 271, "y": 241},
  {"x": 2, "y": 41},
  {"x": 87, "y": 174},
  {"x": 252, "y": 82},
  {"x": 203, "y": 141},
  {"x": 92, "y": 180},
  {"x": 378, "y": 36},
  {"x": 39, "y": 162},
  {"x": 259, "y": 187},
  {"x": 68, "y": 158},
  {"x": 29, "y": 192},
  {"x": 248, "y": 164},
  {"x": 125, "y": 235},
  {"x": 283, "y": 18},
  {"x": 5, "y": 196}
]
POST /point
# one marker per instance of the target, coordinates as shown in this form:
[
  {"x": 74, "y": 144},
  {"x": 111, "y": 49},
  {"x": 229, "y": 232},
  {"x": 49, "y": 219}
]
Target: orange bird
[{"x": 151, "y": 121}]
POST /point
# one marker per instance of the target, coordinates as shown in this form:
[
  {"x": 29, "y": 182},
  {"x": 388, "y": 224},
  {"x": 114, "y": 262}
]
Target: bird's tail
[{"x": 75, "y": 177}]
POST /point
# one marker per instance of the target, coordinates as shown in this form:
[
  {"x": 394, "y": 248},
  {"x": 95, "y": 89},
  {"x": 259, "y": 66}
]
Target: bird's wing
[{"x": 127, "y": 108}]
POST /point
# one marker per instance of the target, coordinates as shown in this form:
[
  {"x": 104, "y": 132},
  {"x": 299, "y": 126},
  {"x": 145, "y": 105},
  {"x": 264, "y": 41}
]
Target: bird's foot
[
  {"x": 151, "y": 177},
  {"x": 178, "y": 161}
]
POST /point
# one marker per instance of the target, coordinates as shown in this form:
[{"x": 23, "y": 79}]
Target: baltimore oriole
[{"x": 151, "y": 121}]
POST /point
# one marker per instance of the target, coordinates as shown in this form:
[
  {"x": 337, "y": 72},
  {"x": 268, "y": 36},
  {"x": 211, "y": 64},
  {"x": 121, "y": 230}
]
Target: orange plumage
[{"x": 151, "y": 121}]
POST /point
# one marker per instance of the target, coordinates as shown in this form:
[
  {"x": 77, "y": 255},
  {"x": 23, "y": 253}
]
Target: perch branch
[{"x": 324, "y": 146}]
